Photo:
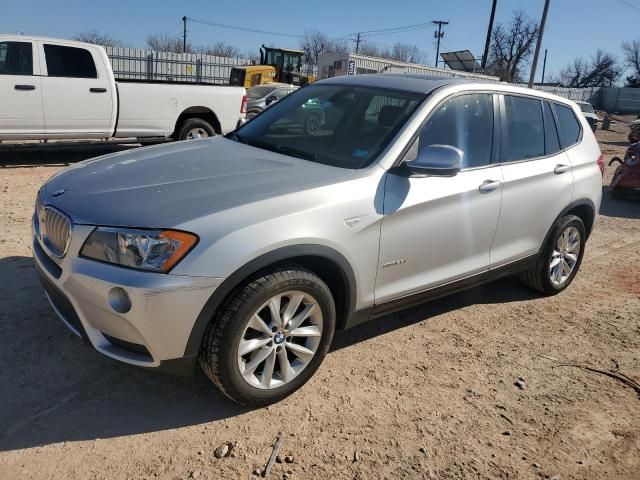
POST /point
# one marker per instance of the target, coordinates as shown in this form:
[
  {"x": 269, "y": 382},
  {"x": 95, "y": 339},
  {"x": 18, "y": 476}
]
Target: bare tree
[
  {"x": 405, "y": 53},
  {"x": 602, "y": 69},
  {"x": 631, "y": 51},
  {"x": 402, "y": 52},
  {"x": 370, "y": 50},
  {"x": 316, "y": 43},
  {"x": 93, "y": 36},
  {"x": 512, "y": 46},
  {"x": 162, "y": 42},
  {"x": 219, "y": 49}
]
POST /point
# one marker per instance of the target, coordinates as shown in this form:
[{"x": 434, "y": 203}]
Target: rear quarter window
[{"x": 568, "y": 126}]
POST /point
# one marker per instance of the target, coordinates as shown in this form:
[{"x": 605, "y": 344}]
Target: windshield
[
  {"x": 339, "y": 125},
  {"x": 259, "y": 92},
  {"x": 586, "y": 107}
]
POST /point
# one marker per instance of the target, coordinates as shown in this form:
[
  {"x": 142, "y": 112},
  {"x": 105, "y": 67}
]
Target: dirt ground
[{"x": 428, "y": 393}]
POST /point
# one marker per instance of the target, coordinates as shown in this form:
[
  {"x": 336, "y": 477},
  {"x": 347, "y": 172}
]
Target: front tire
[
  {"x": 270, "y": 337},
  {"x": 195, "y": 128},
  {"x": 558, "y": 262}
]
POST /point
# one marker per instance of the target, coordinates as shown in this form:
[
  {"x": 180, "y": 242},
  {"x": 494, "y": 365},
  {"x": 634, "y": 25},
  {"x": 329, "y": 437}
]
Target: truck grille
[{"x": 55, "y": 230}]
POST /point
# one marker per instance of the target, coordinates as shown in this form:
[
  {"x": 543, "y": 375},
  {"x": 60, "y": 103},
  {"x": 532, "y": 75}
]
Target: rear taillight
[
  {"x": 243, "y": 106},
  {"x": 601, "y": 164}
]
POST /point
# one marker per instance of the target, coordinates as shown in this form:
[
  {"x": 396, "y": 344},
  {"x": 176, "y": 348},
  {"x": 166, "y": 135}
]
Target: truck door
[
  {"x": 77, "y": 92},
  {"x": 20, "y": 91}
]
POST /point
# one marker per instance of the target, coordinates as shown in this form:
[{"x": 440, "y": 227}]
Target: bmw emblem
[{"x": 57, "y": 193}]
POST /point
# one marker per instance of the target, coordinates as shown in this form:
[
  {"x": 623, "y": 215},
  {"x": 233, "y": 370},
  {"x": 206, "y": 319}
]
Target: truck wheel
[
  {"x": 195, "y": 128},
  {"x": 558, "y": 262},
  {"x": 270, "y": 337}
]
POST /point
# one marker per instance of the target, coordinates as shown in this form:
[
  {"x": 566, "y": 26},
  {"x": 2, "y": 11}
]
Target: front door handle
[
  {"x": 97, "y": 90},
  {"x": 489, "y": 186},
  {"x": 560, "y": 168},
  {"x": 24, "y": 87}
]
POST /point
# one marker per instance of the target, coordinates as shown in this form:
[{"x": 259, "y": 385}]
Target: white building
[{"x": 336, "y": 64}]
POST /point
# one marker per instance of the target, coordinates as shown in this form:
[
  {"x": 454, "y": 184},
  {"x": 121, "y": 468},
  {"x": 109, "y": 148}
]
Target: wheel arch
[
  {"x": 329, "y": 264},
  {"x": 204, "y": 113},
  {"x": 583, "y": 208}
]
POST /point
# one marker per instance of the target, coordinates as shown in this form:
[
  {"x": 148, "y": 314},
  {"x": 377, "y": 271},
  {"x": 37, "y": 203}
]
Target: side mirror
[
  {"x": 437, "y": 161},
  {"x": 271, "y": 99}
]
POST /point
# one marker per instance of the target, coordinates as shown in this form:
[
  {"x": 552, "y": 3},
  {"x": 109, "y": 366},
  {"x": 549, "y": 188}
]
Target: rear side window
[
  {"x": 569, "y": 126},
  {"x": 465, "y": 122},
  {"x": 69, "y": 62},
  {"x": 551, "y": 141},
  {"x": 524, "y": 136},
  {"x": 16, "y": 58}
]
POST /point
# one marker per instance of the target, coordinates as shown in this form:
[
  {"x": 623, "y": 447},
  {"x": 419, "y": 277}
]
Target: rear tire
[
  {"x": 195, "y": 128},
  {"x": 556, "y": 267},
  {"x": 282, "y": 351}
]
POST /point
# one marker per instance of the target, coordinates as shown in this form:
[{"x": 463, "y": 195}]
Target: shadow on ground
[
  {"x": 55, "y": 154},
  {"x": 57, "y": 389},
  {"x": 620, "y": 208}
]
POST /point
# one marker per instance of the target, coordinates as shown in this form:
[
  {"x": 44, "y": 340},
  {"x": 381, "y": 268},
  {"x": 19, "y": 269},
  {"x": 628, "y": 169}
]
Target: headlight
[{"x": 154, "y": 250}]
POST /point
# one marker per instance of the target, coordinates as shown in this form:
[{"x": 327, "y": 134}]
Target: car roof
[
  {"x": 411, "y": 83},
  {"x": 428, "y": 83}
]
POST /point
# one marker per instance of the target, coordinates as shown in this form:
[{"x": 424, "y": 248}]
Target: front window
[
  {"x": 586, "y": 107},
  {"x": 343, "y": 126},
  {"x": 259, "y": 92},
  {"x": 16, "y": 58}
]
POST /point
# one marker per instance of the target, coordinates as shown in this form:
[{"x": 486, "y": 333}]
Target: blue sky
[{"x": 574, "y": 27}]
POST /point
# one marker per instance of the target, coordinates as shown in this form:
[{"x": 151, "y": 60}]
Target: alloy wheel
[
  {"x": 565, "y": 256},
  {"x": 280, "y": 339}
]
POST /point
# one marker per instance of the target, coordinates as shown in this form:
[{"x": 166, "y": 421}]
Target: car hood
[{"x": 162, "y": 185}]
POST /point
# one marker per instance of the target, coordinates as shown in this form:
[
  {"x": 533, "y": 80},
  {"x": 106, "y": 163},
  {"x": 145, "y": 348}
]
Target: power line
[
  {"x": 629, "y": 4},
  {"x": 244, "y": 29}
]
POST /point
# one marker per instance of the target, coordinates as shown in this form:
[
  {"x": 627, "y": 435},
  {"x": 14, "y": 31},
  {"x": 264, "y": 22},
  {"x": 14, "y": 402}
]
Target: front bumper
[{"x": 153, "y": 333}]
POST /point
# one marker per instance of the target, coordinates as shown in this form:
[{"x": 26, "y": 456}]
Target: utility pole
[
  {"x": 538, "y": 43},
  {"x": 184, "y": 35},
  {"x": 357, "y": 42},
  {"x": 544, "y": 64},
  {"x": 439, "y": 34},
  {"x": 489, "y": 32}
]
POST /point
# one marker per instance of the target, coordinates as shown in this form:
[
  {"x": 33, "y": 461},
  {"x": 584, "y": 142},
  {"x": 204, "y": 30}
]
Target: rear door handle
[
  {"x": 489, "y": 186},
  {"x": 24, "y": 87},
  {"x": 560, "y": 168},
  {"x": 97, "y": 90}
]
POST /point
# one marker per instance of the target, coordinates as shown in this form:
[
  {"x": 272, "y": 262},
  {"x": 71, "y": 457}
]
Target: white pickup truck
[{"x": 52, "y": 88}]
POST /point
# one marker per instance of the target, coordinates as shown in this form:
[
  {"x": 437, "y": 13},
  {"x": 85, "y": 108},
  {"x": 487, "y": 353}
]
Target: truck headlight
[{"x": 153, "y": 250}]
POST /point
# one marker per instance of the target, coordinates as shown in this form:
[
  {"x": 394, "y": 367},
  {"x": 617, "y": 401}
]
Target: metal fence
[{"x": 137, "y": 64}]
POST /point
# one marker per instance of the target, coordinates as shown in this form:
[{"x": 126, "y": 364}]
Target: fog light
[{"x": 119, "y": 300}]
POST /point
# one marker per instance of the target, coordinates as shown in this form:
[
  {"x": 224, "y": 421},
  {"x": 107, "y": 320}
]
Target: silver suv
[{"x": 246, "y": 252}]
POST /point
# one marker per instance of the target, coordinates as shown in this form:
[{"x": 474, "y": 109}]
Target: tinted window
[
  {"x": 569, "y": 126},
  {"x": 69, "y": 62},
  {"x": 344, "y": 126},
  {"x": 551, "y": 141},
  {"x": 465, "y": 122},
  {"x": 16, "y": 58},
  {"x": 524, "y": 135}
]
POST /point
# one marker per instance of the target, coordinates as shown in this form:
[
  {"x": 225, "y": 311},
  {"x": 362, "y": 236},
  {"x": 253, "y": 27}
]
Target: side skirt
[{"x": 397, "y": 304}]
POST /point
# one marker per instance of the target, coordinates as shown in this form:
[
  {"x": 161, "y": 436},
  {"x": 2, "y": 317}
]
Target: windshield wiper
[
  {"x": 236, "y": 137},
  {"x": 291, "y": 151},
  {"x": 296, "y": 153}
]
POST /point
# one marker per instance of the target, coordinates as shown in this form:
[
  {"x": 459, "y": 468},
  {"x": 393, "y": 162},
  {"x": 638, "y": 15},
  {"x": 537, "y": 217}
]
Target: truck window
[
  {"x": 16, "y": 58},
  {"x": 69, "y": 62}
]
